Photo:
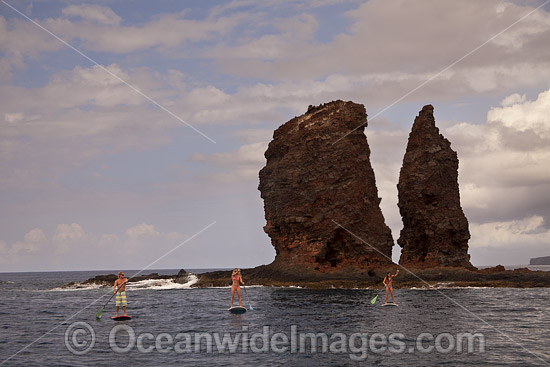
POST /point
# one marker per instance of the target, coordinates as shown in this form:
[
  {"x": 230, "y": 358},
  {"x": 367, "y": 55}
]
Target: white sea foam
[
  {"x": 77, "y": 287},
  {"x": 155, "y": 284},
  {"x": 163, "y": 283}
]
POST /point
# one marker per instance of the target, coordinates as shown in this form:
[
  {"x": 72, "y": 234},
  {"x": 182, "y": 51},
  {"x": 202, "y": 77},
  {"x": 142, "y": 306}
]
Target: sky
[{"x": 132, "y": 132}]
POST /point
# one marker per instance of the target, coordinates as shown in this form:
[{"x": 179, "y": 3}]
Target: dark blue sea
[{"x": 42, "y": 324}]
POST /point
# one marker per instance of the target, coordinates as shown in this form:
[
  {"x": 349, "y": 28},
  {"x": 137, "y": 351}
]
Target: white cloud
[
  {"x": 70, "y": 237},
  {"x": 141, "y": 230},
  {"x": 33, "y": 243},
  {"x": 148, "y": 232},
  {"x": 13, "y": 117},
  {"x": 165, "y": 32},
  {"x": 513, "y": 99},
  {"x": 524, "y": 115},
  {"x": 385, "y": 38},
  {"x": 504, "y": 163},
  {"x": 235, "y": 166},
  {"x": 19, "y": 40},
  {"x": 96, "y": 13},
  {"x": 521, "y": 233}
]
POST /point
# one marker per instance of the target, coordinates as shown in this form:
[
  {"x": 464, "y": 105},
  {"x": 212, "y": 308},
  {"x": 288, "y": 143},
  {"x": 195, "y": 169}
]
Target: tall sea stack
[
  {"x": 435, "y": 229},
  {"x": 320, "y": 197}
]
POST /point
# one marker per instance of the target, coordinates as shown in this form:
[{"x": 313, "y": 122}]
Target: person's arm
[
  {"x": 114, "y": 286},
  {"x": 397, "y": 272},
  {"x": 241, "y": 280}
]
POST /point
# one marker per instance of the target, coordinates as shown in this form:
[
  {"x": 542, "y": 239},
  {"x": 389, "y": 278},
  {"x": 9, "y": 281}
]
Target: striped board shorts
[{"x": 121, "y": 299}]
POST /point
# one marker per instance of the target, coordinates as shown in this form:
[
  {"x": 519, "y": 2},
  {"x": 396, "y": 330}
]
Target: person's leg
[
  {"x": 391, "y": 291},
  {"x": 124, "y": 303},
  {"x": 239, "y": 294},
  {"x": 386, "y": 294},
  {"x": 118, "y": 302},
  {"x": 232, "y": 295}
]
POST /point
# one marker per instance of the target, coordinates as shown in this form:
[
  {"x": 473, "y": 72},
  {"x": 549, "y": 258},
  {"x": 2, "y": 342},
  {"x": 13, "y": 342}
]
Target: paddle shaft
[{"x": 249, "y": 305}]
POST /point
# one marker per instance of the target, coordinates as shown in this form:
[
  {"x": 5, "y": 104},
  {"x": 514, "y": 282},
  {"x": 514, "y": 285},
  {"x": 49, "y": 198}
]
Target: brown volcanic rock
[
  {"x": 313, "y": 180},
  {"x": 435, "y": 229}
]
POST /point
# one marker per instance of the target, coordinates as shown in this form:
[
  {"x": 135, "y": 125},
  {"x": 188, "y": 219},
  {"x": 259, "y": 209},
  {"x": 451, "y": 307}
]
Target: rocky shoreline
[
  {"x": 274, "y": 276},
  {"x": 440, "y": 277},
  {"x": 181, "y": 277}
]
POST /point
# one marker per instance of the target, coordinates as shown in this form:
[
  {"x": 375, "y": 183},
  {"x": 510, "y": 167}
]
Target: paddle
[
  {"x": 373, "y": 301},
  {"x": 98, "y": 314},
  {"x": 249, "y": 305}
]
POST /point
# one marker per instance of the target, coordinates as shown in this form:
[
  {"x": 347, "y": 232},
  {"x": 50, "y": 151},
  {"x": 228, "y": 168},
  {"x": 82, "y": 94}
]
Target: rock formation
[
  {"x": 435, "y": 229},
  {"x": 314, "y": 181}
]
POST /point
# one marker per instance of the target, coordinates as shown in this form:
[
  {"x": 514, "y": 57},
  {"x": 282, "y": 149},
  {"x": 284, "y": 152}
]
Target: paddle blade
[
  {"x": 374, "y": 300},
  {"x": 250, "y": 306},
  {"x": 98, "y": 314}
]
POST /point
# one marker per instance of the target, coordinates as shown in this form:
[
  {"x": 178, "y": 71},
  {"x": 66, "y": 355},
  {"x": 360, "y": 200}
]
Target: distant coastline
[{"x": 545, "y": 260}]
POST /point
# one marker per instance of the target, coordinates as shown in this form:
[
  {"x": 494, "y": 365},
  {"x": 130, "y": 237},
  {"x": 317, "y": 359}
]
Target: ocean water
[{"x": 173, "y": 324}]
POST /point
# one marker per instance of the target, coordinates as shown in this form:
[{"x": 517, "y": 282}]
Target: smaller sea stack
[{"x": 435, "y": 229}]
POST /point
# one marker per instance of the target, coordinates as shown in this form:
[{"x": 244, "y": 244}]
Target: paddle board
[
  {"x": 390, "y": 304},
  {"x": 121, "y": 318},
  {"x": 237, "y": 309}
]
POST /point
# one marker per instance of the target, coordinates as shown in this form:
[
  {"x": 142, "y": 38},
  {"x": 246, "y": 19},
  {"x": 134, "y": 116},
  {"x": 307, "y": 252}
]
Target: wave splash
[{"x": 148, "y": 284}]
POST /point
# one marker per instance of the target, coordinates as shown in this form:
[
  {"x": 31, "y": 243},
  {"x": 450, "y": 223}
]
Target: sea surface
[{"x": 44, "y": 324}]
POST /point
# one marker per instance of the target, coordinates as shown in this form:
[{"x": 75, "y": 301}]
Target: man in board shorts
[{"x": 120, "y": 289}]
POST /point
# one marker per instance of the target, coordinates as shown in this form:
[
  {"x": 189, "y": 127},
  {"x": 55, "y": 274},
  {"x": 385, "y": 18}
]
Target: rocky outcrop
[
  {"x": 435, "y": 229},
  {"x": 439, "y": 277},
  {"x": 540, "y": 261},
  {"x": 320, "y": 197},
  {"x": 181, "y": 277}
]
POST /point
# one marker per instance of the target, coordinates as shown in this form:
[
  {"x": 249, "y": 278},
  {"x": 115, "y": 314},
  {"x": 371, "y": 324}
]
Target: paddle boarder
[
  {"x": 236, "y": 285},
  {"x": 120, "y": 289},
  {"x": 388, "y": 279}
]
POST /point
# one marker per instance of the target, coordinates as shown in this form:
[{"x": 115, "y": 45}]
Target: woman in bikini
[
  {"x": 388, "y": 284},
  {"x": 237, "y": 281}
]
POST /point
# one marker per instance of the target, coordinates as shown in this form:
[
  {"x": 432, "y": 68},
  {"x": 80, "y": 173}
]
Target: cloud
[
  {"x": 521, "y": 116},
  {"x": 165, "y": 32},
  {"x": 21, "y": 40},
  {"x": 504, "y": 163},
  {"x": 241, "y": 164},
  {"x": 522, "y": 233},
  {"x": 148, "y": 232},
  {"x": 513, "y": 99},
  {"x": 142, "y": 230},
  {"x": 33, "y": 243},
  {"x": 88, "y": 249},
  {"x": 69, "y": 237},
  {"x": 385, "y": 41},
  {"x": 95, "y": 13}
]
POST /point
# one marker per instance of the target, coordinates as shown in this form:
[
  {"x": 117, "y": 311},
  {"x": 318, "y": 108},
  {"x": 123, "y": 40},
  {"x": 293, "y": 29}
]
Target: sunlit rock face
[{"x": 320, "y": 197}]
